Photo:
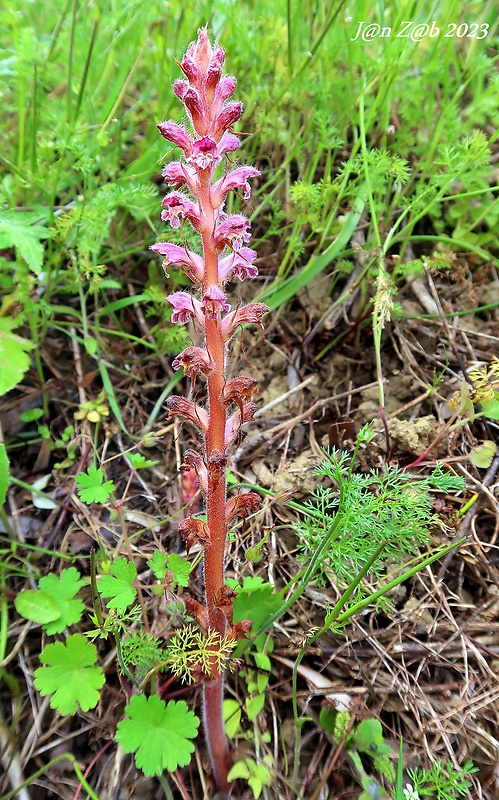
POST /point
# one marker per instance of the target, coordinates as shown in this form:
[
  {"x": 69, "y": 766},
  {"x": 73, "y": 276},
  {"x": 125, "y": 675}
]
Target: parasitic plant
[{"x": 225, "y": 257}]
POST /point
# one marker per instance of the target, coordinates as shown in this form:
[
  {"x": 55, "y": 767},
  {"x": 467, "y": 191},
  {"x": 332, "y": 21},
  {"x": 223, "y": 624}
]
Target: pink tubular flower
[
  {"x": 237, "y": 179},
  {"x": 252, "y": 313},
  {"x": 204, "y": 153},
  {"x": 227, "y": 117},
  {"x": 228, "y": 143},
  {"x": 178, "y": 206},
  {"x": 174, "y": 133},
  {"x": 192, "y": 102},
  {"x": 238, "y": 264},
  {"x": 232, "y": 232},
  {"x": 185, "y": 307},
  {"x": 178, "y": 174},
  {"x": 214, "y": 302},
  {"x": 225, "y": 89},
  {"x": 174, "y": 254}
]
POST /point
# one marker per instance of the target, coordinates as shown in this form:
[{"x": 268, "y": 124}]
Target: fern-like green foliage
[
  {"x": 190, "y": 652},
  {"x": 442, "y": 781},
  {"x": 143, "y": 651},
  {"x": 367, "y": 510},
  {"x": 85, "y": 227}
]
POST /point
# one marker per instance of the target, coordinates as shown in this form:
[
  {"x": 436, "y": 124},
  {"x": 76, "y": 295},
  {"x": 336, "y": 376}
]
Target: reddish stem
[{"x": 214, "y": 555}]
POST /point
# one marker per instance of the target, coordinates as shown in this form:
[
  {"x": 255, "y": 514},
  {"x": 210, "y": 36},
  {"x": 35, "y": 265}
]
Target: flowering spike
[{"x": 204, "y": 142}]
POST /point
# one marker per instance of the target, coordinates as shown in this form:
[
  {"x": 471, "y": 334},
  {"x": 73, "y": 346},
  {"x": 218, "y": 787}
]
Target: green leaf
[
  {"x": 490, "y": 408},
  {"x": 62, "y": 591},
  {"x": 368, "y": 738},
  {"x": 17, "y": 230},
  {"x": 91, "y": 488},
  {"x": 180, "y": 569},
  {"x": 257, "y": 601},
  {"x": 158, "y": 564},
  {"x": 158, "y": 734},
  {"x": 139, "y": 462},
  {"x": 118, "y": 585},
  {"x": 481, "y": 455},
  {"x": 37, "y": 606},
  {"x": 71, "y": 675},
  {"x": 4, "y": 474},
  {"x": 327, "y": 718},
  {"x": 232, "y": 717},
  {"x": 14, "y": 360},
  {"x": 91, "y": 343},
  {"x": 254, "y": 705},
  {"x": 239, "y": 770},
  {"x": 31, "y": 414}
]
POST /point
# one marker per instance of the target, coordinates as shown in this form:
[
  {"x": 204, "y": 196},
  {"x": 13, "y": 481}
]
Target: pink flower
[
  {"x": 228, "y": 143},
  {"x": 174, "y": 254},
  {"x": 252, "y": 313},
  {"x": 177, "y": 174},
  {"x": 214, "y": 73},
  {"x": 194, "y": 106},
  {"x": 174, "y": 133},
  {"x": 201, "y": 56},
  {"x": 185, "y": 307},
  {"x": 238, "y": 264},
  {"x": 180, "y": 88},
  {"x": 214, "y": 302},
  {"x": 233, "y": 232},
  {"x": 227, "y": 117},
  {"x": 225, "y": 89},
  {"x": 237, "y": 179},
  {"x": 178, "y": 206},
  {"x": 204, "y": 153}
]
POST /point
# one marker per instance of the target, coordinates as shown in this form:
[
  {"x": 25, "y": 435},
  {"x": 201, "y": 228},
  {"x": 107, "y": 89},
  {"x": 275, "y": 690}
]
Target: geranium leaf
[
  {"x": 118, "y": 586},
  {"x": 91, "y": 488},
  {"x": 158, "y": 734},
  {"x": 62, "y": 591},
  {"x": 71, "y": 675}
]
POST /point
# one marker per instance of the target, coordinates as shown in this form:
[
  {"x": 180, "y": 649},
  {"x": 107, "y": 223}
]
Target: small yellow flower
[{"x": 93, "y": 410}]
